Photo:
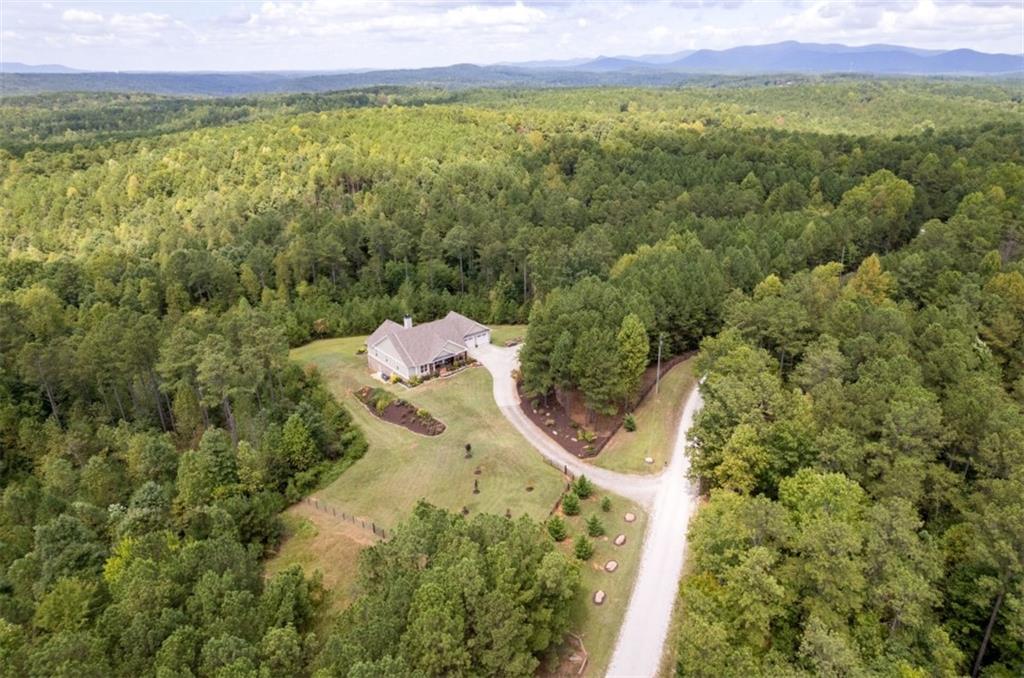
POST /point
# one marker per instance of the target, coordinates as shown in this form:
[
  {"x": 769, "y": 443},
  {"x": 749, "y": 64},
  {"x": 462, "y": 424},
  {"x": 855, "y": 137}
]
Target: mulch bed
[
  {"x": 560, "y": 427},
  {"x": 555, "y": 422},
  {"x": 400, "y": 412}
]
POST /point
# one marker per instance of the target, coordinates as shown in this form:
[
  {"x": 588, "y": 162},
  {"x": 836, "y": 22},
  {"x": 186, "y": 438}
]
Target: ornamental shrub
[
  {"x": 583, "y": 549},
  {"x": 583, "y": 487},
  {"x": 571, "y": 504},
  {"x": 557, "y": 529}
]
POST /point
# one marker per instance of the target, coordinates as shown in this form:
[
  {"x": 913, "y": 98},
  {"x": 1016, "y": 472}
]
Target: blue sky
[{"x": 349, "y": 34}]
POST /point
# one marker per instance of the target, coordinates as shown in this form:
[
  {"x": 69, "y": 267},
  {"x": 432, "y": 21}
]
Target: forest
[{"x": 846, "y": 253}]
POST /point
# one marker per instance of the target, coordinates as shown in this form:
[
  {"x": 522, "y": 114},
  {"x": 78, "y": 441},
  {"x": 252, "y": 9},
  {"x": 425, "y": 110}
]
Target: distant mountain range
[
  {"x": 18, "y": 67},
  {"x": 651, "y": 69},
  {"x": 802, "y": 57}
]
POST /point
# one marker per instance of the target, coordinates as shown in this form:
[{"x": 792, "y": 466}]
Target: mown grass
[
  {"x": 502, "y": 333},
  {"x": 598, "y": 625},
  {"x": 402, "y": 467},
  {"x": 656, "y": 419}
]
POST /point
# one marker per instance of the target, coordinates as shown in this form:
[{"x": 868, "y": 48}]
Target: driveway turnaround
[{"x": 669, "y": 497}]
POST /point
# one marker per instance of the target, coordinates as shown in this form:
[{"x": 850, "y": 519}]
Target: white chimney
[{"x": 407, "y": 321}]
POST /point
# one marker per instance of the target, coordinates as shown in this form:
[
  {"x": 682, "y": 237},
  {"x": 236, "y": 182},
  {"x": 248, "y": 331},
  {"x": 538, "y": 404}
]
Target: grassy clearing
[
  {"x": 317, "y": 541},
  {"x": 598, "y": 625},
  {"x": 656, "y": 420},
  {"x": 502, "y": 333},
  {"x": 402, "y": 467}
]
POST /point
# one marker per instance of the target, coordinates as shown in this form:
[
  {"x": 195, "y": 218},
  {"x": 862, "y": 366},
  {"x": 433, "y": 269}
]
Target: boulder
[
  {"x": 648, "y": 460},
  {"x": 620, "y": 540},
  {"x": 598, "y": 597},
  {"x": 630, "y": 517},
  {"x": 611, "y": 566}
]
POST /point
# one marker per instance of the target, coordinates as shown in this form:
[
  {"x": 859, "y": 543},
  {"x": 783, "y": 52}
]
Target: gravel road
[{"x": 669, "y": 497}]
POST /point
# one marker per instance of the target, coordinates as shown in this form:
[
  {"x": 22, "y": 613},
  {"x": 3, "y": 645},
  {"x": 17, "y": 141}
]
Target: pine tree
[
  {"x": 595, "y": 365},
  {"x": 583, "y": 548},
  {"x": 557, "y": 529},
  {"x": 299, "y": 446},
  {"x": 595, "y": 528},
  {"x": 633, "y": 349},
  {"x": 583, "y": 487},
  {"x": 571, "y": 504}
]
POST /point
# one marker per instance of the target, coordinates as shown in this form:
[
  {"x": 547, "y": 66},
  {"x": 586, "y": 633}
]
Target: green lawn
[
  {"x": 598, "y": 625},
  {"x": 502, "y": 333},
  {"x": 402, "y": 467},
  {"x": 656, "y": 419}
]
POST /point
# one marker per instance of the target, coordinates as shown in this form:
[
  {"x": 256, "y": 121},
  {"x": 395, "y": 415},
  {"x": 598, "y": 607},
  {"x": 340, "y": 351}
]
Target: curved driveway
[{"x": 669, "y": 497}]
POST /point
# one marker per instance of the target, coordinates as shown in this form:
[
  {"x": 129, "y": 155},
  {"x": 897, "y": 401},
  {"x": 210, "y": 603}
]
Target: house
[{"x": 418, "y": 351}]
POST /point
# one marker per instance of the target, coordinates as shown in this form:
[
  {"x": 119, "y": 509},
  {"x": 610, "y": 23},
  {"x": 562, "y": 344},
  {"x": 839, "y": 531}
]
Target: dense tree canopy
[
  {"x": 160, "y": 256},
  {"x": 447, "y": 596},
  {"x": 864, "y": 438}
]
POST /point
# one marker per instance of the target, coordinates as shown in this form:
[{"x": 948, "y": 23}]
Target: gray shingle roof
[{"x": 421, "y": 344}]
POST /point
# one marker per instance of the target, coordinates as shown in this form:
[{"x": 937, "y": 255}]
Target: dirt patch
[
  {"x": 389, "y": 407},
  {"x": 568, "y": 659},
  {"x": 569, "y": 428}
]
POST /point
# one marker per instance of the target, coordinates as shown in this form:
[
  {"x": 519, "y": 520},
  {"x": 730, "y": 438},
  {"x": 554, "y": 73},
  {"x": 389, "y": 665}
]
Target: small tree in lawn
[
  {"x": 583, "y": 548},
  {"x": 469, "y": 451},
  {"x": 571, "y": 504},
  {"x": 595, "y": 528},
  {"x": 629, "y": 423},
  {"x": 557, "y": 529},
  {"x": 583, "y": 487},
  {"x": 606, "y": 504}
]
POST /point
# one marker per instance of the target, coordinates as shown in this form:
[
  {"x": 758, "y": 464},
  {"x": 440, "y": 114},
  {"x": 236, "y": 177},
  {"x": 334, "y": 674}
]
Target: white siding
[
  {"x": 386, "y": 358},
  {"x": 478, "y": 339}
]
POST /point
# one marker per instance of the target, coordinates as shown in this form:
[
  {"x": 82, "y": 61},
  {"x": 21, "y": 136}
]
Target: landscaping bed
[
  {"x": 579, "y": 439},
  {"x": 556, "y": 423},
  {"x": 389, "y": 407}
]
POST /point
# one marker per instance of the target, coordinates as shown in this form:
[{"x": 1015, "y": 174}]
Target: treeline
[
  {"x": 66, "y": 120},
  {"x": 863, "y": 440}
]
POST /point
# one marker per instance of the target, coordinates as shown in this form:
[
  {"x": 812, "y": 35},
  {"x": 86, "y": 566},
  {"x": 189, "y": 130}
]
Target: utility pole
[{"x": 657, "y": 375}]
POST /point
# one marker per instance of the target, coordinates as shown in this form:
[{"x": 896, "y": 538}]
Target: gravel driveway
[{"x": 669, "y": 497}]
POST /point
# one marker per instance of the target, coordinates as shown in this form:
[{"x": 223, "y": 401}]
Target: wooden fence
[
  {"x": 569, "y": 476},
  {"x": 333, "y": 511}
]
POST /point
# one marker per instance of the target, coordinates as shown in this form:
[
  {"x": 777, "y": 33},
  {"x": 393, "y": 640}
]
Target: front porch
[{"x": 442, "y": 365}]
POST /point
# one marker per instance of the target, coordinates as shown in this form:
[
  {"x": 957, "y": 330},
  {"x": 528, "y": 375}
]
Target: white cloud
[
  {"x": 491, "y": 15},
  {"x": 81, "y": 16},
  {"x": 325, "y": 34},
  {"x": 658, "y": 34}
]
